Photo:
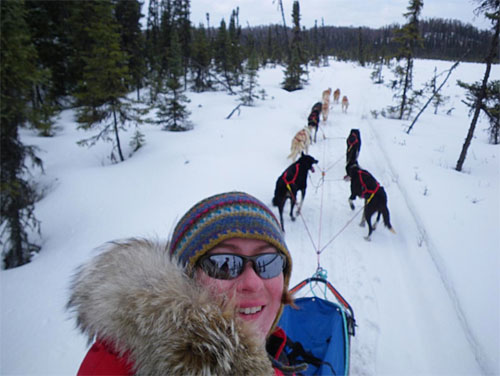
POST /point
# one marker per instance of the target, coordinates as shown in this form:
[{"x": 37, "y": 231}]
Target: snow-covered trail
[
  {"x": 391, "y": 282},
  {"x": 401, "y": 286}
]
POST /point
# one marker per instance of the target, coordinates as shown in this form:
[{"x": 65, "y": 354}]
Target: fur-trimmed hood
[{"x": 133, "y": 296}]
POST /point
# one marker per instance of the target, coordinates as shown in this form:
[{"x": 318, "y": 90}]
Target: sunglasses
[{"x": 230, "y": 265}]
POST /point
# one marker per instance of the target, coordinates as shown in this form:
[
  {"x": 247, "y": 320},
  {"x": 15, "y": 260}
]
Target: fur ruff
[{"x": 134, "y": 296}]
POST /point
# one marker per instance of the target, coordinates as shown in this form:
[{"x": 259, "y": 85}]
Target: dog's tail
[
  {"x": 275, "y": 198},
  {"x": 385, "y": 213}
]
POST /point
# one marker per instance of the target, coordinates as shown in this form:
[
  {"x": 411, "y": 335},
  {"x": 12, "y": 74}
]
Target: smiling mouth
[{"x": 250, "y": 310}]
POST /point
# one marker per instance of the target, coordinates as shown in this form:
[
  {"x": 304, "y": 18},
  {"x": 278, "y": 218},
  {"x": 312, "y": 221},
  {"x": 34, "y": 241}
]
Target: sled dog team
[
  {"x": 363, "y": 185},
  {"x": 209, "y": 299}
]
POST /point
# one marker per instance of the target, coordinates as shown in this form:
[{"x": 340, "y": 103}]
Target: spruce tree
[
  {"x": 18, "y": 74},
  {"x": 201, "y": 59},
  {"x": 439, "y": 99},
  {"x": 183, "y": 26},
  {"x": 221, "y": 54},
  {"x": 234, "y": 55},
  {"x": 128, "y": 15},
  {"x": 102, "y": 93},
  {"x": 249, "y": 85},
  {"x": 172, "y": 113},
  {"x": 490, "y": 105},
  {"x": 491, "y": 9},
  {"x": 165, "y": 36},
  {"x": 361, "y": 48},
  {"x": 294, "y": 71},
  {"x": 154, "y": 50},
  {"x": 376, "y": 75},
  {"x": 41, "y": 18},
  {"x": 409, "y": 39}
]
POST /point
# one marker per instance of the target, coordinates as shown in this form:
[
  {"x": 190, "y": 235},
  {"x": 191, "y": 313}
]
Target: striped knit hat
[{"x": 221, "y": 217}]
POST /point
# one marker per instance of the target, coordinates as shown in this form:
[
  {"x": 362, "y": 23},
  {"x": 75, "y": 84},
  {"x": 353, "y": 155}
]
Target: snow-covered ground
[{"x": 426, "y": 299}]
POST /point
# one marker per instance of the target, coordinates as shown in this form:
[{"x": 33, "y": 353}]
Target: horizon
[{"x": 373, "y": 15}]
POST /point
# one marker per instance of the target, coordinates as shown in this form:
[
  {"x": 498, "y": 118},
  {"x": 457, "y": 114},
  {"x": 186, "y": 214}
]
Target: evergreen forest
[{"x": 96, "y": 57}]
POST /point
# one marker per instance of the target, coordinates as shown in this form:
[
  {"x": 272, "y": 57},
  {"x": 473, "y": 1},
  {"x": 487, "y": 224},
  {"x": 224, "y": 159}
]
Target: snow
[{"x": 426, "y": 300}]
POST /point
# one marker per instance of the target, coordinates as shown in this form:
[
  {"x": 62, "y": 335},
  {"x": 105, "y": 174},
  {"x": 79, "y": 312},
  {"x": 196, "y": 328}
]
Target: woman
[{"x": 205, "y": 303}]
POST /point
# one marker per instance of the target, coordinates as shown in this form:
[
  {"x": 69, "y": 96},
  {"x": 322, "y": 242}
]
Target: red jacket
[{"x": 102, "y": 360}]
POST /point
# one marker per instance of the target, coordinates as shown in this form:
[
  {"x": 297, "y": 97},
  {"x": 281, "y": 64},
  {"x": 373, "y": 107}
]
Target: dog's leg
[
  {"x": 280, "y": 208},
  {"x": 379, "y": 214},
  {"x": 368, "y": 218},
  {"x": 293, "y": 199},
  {"x": 363, "y": 220},
  {"x": 299, "y": 206},
  {"x": 364, "y": 216},
  {"x": 351, "y": 203}
]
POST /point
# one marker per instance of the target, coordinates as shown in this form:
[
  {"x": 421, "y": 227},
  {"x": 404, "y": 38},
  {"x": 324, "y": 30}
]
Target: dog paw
[
  {"x": 293, "y": 219},
  {"x": 367, "y": 238},
  {"x": 362, "y": 224}
]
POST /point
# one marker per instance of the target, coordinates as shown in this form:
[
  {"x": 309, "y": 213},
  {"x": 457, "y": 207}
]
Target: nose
[{"x": 249, "y": 279}]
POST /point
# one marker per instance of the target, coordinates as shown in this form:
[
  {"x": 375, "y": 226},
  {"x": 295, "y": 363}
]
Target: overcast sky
[{"x": 371, "y": 13}]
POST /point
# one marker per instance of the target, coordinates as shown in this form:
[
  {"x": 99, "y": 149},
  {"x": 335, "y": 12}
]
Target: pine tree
[
  {"x": 18, "y": 74},
  {"x": 249, "y": 86},
  {"x": 102, "y": 93},
  {"x": 294, "y": 71},
  {"x": 41, "y": 17},
  {"x": 128, "y": 15},
  {"x": 154, "y": 50},
  {"x": 234, "y": 54},
  {"x": 490, "y": 106},
  {"x": 221, "y": 54},
  {"x": 491, "y": 9},
  {"x": 439, "y": 99},
  {"x": 184, "y": 31},
  {"x": 376, "y": 75},
  {"x": 48, "y": 22},
  {"x": 409, "y": 39},
  {"x": 361, "y": 51},
  {"x": 172, "y": 113},
  {"x": 201, "y": 59}
]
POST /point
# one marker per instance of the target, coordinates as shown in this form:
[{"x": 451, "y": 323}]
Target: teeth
[{"x": 250, "y": 310}]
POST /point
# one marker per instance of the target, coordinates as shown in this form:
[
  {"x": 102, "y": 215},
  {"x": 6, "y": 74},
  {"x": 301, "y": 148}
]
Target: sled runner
[{"x": 319, "y": 330}]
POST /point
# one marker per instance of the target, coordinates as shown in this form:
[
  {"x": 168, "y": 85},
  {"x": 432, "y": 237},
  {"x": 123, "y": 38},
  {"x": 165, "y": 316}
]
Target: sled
[{"x": 321, "y": 326}]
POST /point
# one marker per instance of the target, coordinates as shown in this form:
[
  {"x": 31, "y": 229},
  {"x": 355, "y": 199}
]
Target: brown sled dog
[
  {"x": 345, "y": 104},
  {"x": 336, "y": 96},
  {"x": 300, "y": 143},
  {"x": 325, "y": 107}
]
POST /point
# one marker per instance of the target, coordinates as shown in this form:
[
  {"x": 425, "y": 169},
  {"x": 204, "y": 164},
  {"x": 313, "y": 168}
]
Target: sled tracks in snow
[{"x": 438, "y": 263}]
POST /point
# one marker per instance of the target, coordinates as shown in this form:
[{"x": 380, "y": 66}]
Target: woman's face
[{"x": 257, "y": 300}]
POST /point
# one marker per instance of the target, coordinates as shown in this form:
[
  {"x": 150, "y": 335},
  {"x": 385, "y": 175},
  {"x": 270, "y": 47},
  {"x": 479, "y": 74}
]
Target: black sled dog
[
  {"x": 313, "y": 119},
  {"x": 353, "y": 142},
  {"x": 365, "y": 186},
  {"x": 290, "y": 182}
]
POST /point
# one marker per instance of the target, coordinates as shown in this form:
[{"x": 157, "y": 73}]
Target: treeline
[
  {"x": 442, "y": 40},
  {"x": 91, "y": 55}
]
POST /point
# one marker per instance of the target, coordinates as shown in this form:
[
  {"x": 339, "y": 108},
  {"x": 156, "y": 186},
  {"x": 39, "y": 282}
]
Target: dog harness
[
  {"x": 351, "y": 144},
  {"x": 301, "y": 136},
  {"x": 294, "y": 176},
  {"x": 364, "y": 187}
]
